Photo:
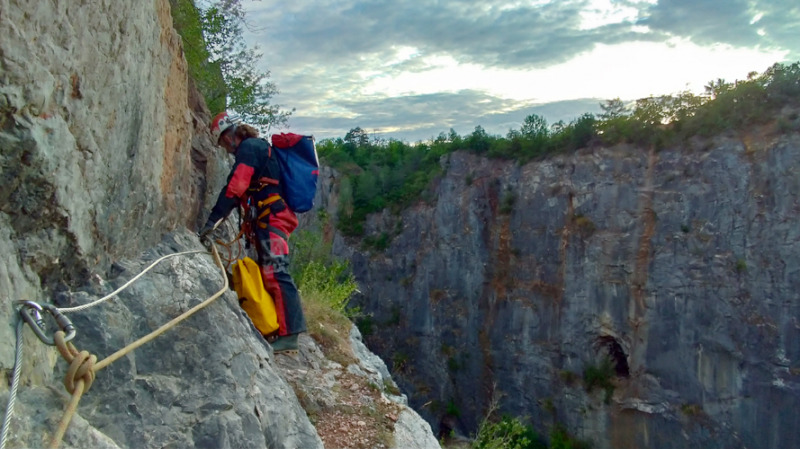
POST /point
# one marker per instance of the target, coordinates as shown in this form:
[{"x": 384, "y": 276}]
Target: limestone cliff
[
  {"x": 106, "y": 165},
  {"x": 682, "y": 267}
]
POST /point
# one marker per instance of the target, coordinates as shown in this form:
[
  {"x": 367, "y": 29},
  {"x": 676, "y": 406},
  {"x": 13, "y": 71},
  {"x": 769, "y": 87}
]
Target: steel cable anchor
[{"x": 31, "y": 312}]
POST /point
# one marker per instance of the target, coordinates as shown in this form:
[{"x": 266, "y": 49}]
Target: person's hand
[{"x": 205, "y": 232}]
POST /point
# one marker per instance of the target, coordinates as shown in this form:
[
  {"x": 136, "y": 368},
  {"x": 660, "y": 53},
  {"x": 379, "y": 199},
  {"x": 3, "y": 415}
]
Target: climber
[{"x": 253, "y": 178}]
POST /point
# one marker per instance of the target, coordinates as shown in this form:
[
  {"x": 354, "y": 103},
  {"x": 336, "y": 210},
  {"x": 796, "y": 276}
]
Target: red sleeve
[{"x": 240, "y": 181}]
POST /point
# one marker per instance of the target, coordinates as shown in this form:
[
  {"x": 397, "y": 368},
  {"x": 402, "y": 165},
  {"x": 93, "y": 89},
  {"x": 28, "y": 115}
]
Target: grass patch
[
  {"x": 507, "y": 203},
  {"x": 584, "y": 225},
  {"x": 326, "y": 286},
  {"x": 692, "y": 409},
  {"x": 399, "y": 362},
  {"x": 330, "y": 328}
]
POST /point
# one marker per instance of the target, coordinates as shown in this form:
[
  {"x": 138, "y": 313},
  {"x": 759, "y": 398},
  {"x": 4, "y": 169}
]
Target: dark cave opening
[{"x": 616, "y": 354}]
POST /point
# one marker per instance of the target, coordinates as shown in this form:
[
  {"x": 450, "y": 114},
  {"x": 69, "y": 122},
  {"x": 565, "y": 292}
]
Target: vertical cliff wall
[
  {"x": 681, "y": 267},
  {"x": 103, "y": 154},
  {"x": 106, "y": 167},
  {"x": 96, "y": 132}
]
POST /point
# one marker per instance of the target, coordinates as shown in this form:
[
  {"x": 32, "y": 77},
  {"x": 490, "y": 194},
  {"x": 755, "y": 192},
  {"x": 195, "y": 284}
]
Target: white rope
[
  {"x": 114, "y": 293},
  {"x": 12, "y": 397}
]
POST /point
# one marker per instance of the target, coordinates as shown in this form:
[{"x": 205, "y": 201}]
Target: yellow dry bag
[{"x": 253, "y": 298}]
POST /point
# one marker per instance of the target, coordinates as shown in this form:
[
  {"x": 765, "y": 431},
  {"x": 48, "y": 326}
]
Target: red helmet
[{"x": 222, "y": 122}]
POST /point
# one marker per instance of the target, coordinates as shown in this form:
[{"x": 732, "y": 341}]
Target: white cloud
[
  {"x": 630, "y": 70},
  {"x": 398, "y": 65}
]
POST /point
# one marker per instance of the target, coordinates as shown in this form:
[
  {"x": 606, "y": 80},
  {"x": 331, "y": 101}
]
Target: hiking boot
[{"x": 285, "y": 345}]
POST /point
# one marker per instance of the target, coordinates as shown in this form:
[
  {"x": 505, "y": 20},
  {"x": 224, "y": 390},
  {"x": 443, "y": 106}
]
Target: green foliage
[
  {"x": 365, "y": 325},
  {"x": 325, "y": 286},
  {"x": 306, "y": 247},
  {"x": 394, "y": 317},
  {"x": 692, "y": 410},
  {"x": 335, "y": 282},
  {"x": 188, "y": 21},
  {"x": 379, "y": 173},
  {"x": 453, "y": 364},
  {"x": 549, "y": 406},
  {"x": 452, "y": 409},
  {"x": 560, "y": 439},
  {"x": 390, "y": 387},
  {"x": 508, "y": 433},
  {"x": 469, "y": 179},
  {"x": 378, "y": 243},
  {"x": 314, "y": 269},
  {"x": 399, "y": 361},
  {"x": 222, "y": 65},
  {"x": 600, "y": 377},
  {"x": 507, "y": 203},
  {"x": 568, "y": 377},
  {"x": 534, "y": 127},
  {"x": 584, "y": 225}
]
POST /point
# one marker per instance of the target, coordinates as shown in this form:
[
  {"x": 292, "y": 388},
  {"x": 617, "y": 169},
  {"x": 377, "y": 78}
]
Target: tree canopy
[
  {"x": 381, "y": 173},
  {"x": 222, "y": 65}
]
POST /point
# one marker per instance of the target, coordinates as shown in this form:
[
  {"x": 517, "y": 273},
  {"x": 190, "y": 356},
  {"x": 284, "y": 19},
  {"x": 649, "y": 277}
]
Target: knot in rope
[{"x": 81, "y": 365}]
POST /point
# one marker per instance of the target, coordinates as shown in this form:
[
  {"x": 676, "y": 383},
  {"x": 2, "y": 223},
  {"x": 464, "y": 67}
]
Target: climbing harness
[{"x": 83, "y": 365}]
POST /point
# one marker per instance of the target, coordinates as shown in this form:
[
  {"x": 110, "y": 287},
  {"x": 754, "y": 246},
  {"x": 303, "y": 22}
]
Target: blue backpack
[{"x": 297, "y": 157}]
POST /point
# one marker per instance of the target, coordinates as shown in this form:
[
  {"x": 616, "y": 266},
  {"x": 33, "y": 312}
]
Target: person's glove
[{"x": 205, "y": 232}]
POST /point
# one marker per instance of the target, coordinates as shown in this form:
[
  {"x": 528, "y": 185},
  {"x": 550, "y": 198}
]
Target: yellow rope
[
  {"x": 72, "y": 407},
  {"x": 82, "y": 369},
  {"x": 77, "y": 381}
]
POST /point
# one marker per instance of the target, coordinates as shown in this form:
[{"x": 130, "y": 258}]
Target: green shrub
[
  {"x": 560, "y": 439},
  {"x": 365, "y": 325},
  {"x": 399, "y": 361},
  {"x": 452, "y": 409},
  {"x": 507, "y": 203},
  {"x": 325, "y": 287},
  {"x": 600, "y": 377},
  {"x": 378, "y": 243},
  {"x": 508, "y": 433}
]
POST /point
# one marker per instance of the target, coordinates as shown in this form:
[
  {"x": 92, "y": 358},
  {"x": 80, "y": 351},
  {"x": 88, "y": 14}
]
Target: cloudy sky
[{"x": 411, "y": 69}]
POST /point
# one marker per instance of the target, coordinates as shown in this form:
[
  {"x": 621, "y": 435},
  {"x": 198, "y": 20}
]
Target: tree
[
  {"x": 357, "y": 137},
  {"x": 454, "y": 138},
  {"x": 533, "y": 127},
  {"x": 613, "y": 109},
  {"x": 478, "y": 140},
  {"x": 715, "y": 88},
  {"x": 247, "y": 91}
]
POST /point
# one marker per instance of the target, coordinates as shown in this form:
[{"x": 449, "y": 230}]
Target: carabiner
[{"x": 32, "y": 314}]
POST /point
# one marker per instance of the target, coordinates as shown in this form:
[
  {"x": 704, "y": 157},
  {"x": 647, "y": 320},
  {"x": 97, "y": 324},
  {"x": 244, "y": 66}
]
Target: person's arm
[{"x": 238, "y": 182}]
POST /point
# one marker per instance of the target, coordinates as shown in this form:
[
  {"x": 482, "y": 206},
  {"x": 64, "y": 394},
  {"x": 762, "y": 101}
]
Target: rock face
[
  {"x": 357, "y": 405},
  {"x": 681, "y": 267},
  {"x": 209, "y": 382},
  {"x": 101, "y": 151},
  {"x": 106, "y": 165}
]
